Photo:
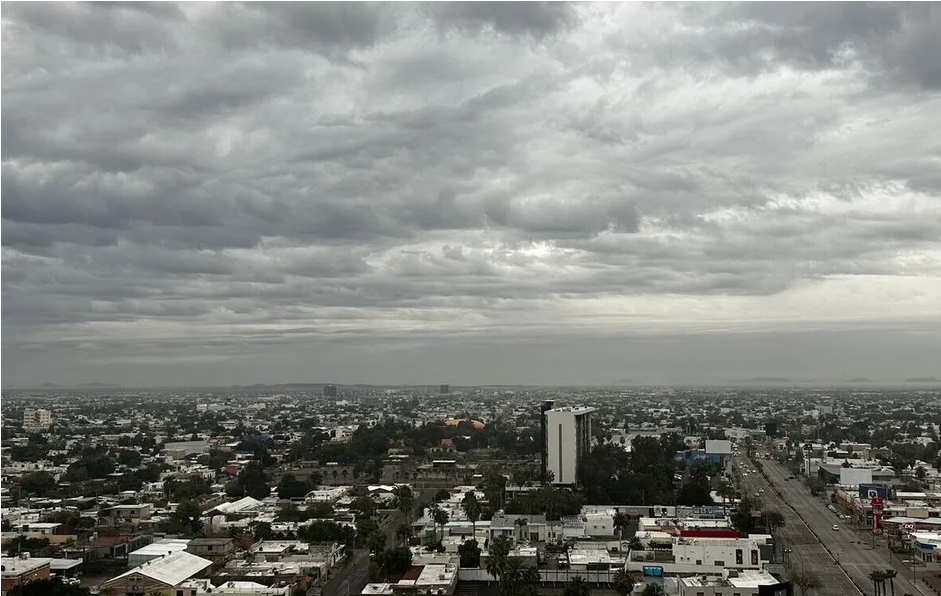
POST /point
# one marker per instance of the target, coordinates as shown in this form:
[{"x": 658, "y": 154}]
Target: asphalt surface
[
  {"x": 843, "y": 558},
  {"x": 351, "y": 579}
]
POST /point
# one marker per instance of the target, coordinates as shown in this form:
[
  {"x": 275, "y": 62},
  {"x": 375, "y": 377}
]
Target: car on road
[{"x": 836, "y": 528}]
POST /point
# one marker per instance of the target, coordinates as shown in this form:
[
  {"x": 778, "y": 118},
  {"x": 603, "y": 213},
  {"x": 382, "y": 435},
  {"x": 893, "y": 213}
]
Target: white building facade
[{"x": 568, "y": 438}]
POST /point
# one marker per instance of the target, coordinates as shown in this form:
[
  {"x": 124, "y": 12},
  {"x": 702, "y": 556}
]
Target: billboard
[
  {"x": 718, "y": 447},
  {"x": 855, "y": 476},
  {"x": 653, "y": 570},
  {"x": 878, "y": 506},
  {"x": 868, "y": 491}
]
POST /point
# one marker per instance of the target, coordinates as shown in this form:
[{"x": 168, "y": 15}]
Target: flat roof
[
  {"x": 161, "y": 547},
  {"x": 15, "y": 566}
]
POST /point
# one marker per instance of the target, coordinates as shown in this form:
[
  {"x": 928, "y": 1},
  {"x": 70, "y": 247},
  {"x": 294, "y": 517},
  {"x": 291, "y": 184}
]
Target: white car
[{"x": 836, "y": 528}]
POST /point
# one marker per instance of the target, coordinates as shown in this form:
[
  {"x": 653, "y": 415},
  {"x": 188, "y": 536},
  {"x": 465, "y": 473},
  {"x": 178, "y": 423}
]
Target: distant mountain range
[{"x": 923, "y": 380}]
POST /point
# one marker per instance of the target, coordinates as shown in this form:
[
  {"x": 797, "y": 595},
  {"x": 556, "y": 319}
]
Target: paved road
[
  {"x": 352, "y": 578},
  {"x": 807, "y": 553},
  {"x": 819, "y": 548}
]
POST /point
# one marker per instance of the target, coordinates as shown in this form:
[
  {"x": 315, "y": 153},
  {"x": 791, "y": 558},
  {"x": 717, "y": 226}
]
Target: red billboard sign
[{"x": 878, "y": 506}]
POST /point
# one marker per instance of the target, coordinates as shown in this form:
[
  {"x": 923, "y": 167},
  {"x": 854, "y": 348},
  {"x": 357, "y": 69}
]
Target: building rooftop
[
  {"x": 171, "y": 569},
  {"x": 210, "y": 541},
  {"x": 161, "y": 547},
  {"x": 16, "y": 566}
]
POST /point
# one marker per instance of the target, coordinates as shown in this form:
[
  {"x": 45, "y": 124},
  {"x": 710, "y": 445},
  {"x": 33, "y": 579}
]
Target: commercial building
[
  {"x": 156, "y": 550},
  {"x": 444, "y": 389},
  {"x": 734, "y": 583},
  {"x": 22, "y": 569},
  {"x": 218, "y": 550},
  {"x": 567, "y": 436},
  {"x": 329, "y": 390},
  {"x": 158, "y": 576},
  {"x": 36, "y": 419}
]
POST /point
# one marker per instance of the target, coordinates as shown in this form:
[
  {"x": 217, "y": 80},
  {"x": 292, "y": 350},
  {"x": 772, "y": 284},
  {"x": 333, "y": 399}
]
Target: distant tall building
[
  {"x": 37, "y": 419},
  {"x": 329, "y": 390},
  {"x": 568, "y": 439},
  {"x": 444, "y": 389}
]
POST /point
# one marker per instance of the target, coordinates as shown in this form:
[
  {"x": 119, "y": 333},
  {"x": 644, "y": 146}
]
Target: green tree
[
  {"x": 623, "y": 582},
  {"x": 320, "y": 510},
  {"x": 621, "y": 521},
  {"x": 188, "y": 512},
  {"x": 472, "y": 509},
  {"x": 405, "y": 500},
  {"x": 252, "y": 482},
  {"x": 653, "y": 590},
  {"x": 469, "y": 552},
  {"x": 577, "y": 586},
  {"x": 439, "y": 516},
  {"x": 364, "y": 505},
  {"x": 37, "y": 483},
  {"x": 291, "y": 488},
  {"x": 891, "y": 574},
  {"x": 499, "y": 554},
  {"x": 262, "y": 531},
  {"x": 519, "y": 579},
  {"x": 394, "y": 562}
]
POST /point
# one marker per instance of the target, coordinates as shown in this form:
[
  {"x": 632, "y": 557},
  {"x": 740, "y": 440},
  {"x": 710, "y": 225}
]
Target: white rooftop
[
  {"x": 165, "y": 546},
  {"x": 16, "y": 566},
  {"x": 171, "y": 569}
]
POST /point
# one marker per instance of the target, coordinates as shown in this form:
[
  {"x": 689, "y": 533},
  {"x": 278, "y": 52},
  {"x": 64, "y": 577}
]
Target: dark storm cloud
[{"x": 211, "y": 180}]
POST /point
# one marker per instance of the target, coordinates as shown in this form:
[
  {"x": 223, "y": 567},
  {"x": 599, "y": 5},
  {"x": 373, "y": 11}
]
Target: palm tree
[
  {"x": 404, "y": 533},
  {"x": 405, "y": 499},
  {"x": 519, "y": 579},
  {"x": 439, "y": 516},
  {"x": 877, "y": 578},
  {"x": 577, "y": 586},
  {"x": 472, "y": 510},
  {"x": 889, "y": 574},
  {"x": 498, "y": 556},
  {"x": 623, "y": 582},
  {"x": 522, "y": 522},
  {"x": 621, "y": 520}
]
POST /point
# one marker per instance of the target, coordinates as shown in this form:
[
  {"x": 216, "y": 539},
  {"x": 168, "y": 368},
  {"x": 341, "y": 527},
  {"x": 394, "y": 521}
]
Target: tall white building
[{"x": 568, "y": 438}]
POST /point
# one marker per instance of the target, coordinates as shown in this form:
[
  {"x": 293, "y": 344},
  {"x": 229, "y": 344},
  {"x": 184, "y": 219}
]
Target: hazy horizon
[{"x": 512, "y": 193}]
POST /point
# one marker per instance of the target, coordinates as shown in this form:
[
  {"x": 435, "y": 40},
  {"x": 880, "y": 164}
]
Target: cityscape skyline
[{"x": 518, "y": 193}]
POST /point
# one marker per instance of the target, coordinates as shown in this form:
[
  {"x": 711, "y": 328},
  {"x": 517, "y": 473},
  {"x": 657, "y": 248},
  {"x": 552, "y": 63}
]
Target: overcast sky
[{"x": 470, "y": 193}]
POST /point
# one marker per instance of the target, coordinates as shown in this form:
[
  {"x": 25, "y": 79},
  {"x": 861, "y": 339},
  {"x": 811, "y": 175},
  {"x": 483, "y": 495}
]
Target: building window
[
  {"x": 720, "y": 563},
  {"x": 700, "y": 594},
  {"x": 179, "y": 593},
  {"x": 736, "y": 594},
  {"x": 209, "y": 547}
]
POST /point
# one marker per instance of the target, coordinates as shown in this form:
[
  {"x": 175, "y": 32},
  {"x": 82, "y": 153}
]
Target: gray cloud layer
[{"x": 195, "y": 191}]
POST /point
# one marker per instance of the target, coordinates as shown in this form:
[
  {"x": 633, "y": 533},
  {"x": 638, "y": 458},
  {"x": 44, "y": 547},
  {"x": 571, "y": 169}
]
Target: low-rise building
[
  {"x": 162, "y": 576},
  {"x": 22, "y": 569},
  {"x": 218, "y": 550},
  {"x": 734, "y": 583},
  {"x": 156, "y": 550}
]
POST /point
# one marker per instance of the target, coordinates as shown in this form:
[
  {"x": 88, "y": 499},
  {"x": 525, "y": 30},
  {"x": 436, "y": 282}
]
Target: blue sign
[
  {"x": 655, "y": 571},
  {"x": 868, "y": 491}
]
